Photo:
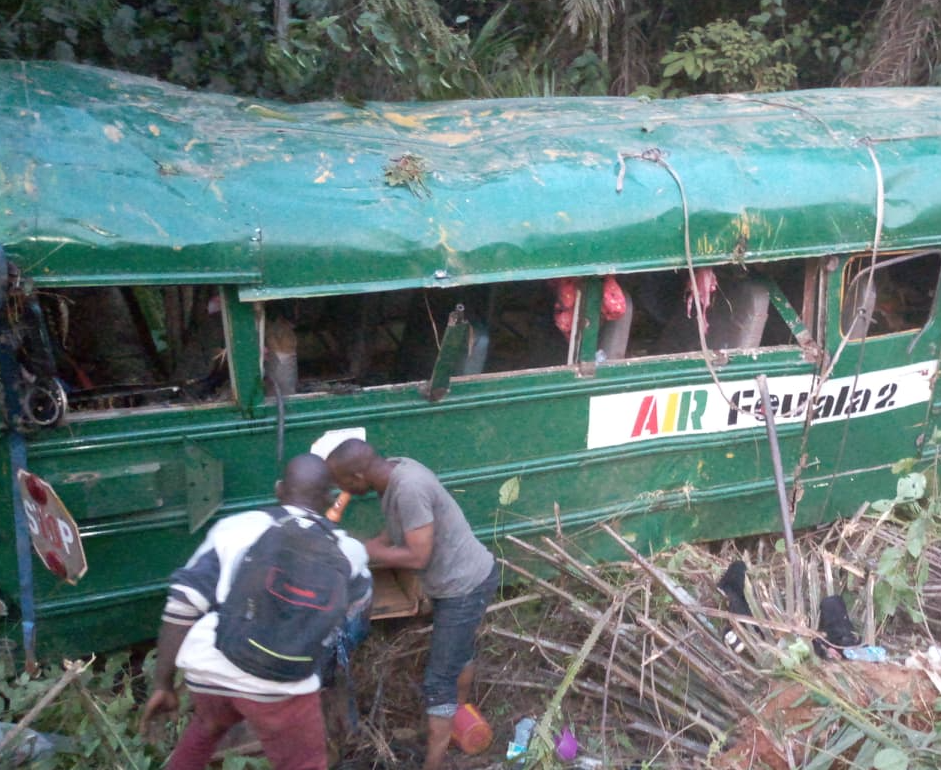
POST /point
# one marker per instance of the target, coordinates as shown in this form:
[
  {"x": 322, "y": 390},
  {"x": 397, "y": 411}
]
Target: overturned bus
[{"x": 563, "y": 306}]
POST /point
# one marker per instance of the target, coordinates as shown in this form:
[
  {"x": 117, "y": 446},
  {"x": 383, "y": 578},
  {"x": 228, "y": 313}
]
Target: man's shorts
[{"x": 455, "y": 622}]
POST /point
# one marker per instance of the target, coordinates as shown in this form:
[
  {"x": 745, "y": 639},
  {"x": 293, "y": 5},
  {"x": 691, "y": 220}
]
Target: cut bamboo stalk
[
  {"x": 625, "y": 675},
  {"x": 714, "y": 677},
  {"x": 679, "y": 594},
  {"x": 582, "y": 607},
  {"x": 583, "y": 571},
  {"x": 655, "y": 732}
]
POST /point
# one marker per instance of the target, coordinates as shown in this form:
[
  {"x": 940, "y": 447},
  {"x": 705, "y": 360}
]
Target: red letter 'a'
[{"x": 646, "y": 417}]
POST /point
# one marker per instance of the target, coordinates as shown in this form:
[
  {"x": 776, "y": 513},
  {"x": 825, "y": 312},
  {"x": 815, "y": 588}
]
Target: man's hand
[
  {"x": 414, "y": 553},
  {"x": 160, "y": 702}
]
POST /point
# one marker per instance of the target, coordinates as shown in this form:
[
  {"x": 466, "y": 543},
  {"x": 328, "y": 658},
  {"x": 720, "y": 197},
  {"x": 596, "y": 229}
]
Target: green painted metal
[
  {"x": 216, "y": 188},
  {"x": 110, "y": 179},
  {"x": 591, "y": 306},
  {"x": 453, "y": 345},
  {"x": 203, "y": 474}
]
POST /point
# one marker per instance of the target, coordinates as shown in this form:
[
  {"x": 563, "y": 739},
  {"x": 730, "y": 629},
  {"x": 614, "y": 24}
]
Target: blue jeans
[{"x": 455, "y": 622}]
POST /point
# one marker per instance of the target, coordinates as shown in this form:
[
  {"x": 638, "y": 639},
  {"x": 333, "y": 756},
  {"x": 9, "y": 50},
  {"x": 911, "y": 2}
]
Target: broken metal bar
[
  {"x": 768, "y": 414},
  {"x": 453, "y": 346}
]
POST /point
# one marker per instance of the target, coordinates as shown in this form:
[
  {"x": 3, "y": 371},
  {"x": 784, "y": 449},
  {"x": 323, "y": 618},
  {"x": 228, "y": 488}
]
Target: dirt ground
[
  {"x": 514, "y": 680},
  {"x": 517, "y": 680},
  {"x": 794, "y": 716},
  {"x": 387, "y": 675}
]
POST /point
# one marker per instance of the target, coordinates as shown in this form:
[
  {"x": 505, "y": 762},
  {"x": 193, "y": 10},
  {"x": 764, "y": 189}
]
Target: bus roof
[{"x": 109, "y": 177}]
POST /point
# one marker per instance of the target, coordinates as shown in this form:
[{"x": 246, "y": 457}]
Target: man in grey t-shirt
[{"x": 426, "y": 531}]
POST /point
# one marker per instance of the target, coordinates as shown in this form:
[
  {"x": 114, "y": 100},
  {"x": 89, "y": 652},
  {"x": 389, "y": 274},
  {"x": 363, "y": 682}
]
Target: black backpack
[{"x": 288, "y": 597}]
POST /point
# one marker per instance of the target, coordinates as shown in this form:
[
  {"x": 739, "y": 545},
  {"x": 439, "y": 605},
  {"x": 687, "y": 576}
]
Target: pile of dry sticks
[{"x": 644, "y": 637}]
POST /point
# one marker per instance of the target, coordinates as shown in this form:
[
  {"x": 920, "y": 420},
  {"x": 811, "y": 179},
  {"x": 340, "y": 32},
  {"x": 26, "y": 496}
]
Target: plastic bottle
[
  {"x": 335, "y": 511},
  {"x": 867, "y": 652},
  {"x": 521, "y": 735}
]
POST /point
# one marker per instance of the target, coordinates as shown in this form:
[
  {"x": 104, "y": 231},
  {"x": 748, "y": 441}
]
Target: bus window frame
[
  {"x": 888, "y": 260},
  {"x": 582, "y": 341},
  {"x": 83, "y": 416},
  {"x": 805, "y": 335}
]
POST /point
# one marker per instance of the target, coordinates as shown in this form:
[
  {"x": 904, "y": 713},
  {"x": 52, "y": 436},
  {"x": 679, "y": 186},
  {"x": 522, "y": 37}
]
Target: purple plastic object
[{"x": 566, "y": 746}]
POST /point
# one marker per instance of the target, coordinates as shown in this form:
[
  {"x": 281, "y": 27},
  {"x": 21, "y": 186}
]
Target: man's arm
[
  {"x": 414, "y": 553},
  {"x": 192, "y": 589},
  {"x": 168, "y": 645},
  {"x": 164, "y": 700}
]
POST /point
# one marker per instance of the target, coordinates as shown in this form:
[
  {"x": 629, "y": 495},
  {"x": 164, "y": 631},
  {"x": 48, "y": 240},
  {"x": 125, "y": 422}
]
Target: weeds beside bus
[{"x": 560, "y": 305}]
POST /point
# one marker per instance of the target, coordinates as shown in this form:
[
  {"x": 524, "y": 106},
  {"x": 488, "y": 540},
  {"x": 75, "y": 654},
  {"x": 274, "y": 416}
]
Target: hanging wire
[
  {"x": 844, "y": 339},
  {"x": 880, "y": 217},
  {"x": 657, "y": 156}
]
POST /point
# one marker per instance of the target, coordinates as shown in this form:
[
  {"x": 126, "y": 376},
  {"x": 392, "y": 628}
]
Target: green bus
[{"x": 562, "y": 306}]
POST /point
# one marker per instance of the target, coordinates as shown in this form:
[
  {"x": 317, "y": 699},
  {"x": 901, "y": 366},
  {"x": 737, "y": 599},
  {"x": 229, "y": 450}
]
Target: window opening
[
  {"x": 345, "y": 343},
  {"x": 899, "y": 297},
  {"x": 743, "y": 309},
  {"x": 118, "y": 347},
  {"x": 349, "y": 342}
]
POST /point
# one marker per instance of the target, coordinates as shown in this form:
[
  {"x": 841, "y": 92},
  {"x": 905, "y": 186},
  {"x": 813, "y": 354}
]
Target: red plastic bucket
[{"x": 470, "y": 731}]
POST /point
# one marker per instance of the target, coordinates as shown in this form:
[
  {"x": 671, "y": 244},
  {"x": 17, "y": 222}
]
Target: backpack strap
[
  {"x": 280, "y": 514},
  {"x": 326, "y": 526}
]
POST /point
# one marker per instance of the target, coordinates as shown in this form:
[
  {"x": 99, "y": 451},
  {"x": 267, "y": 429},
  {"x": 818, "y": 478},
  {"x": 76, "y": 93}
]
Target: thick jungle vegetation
[{"x": 421, "y": 49}]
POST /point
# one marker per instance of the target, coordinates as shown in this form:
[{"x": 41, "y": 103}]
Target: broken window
[
  {"x": 336, "y": 344},
  {"x": 117, "y": 347},
  {"x": 744, "y": 308},
  {"x": 344, "y": 343},
  {"x": 896, "y": 293}
]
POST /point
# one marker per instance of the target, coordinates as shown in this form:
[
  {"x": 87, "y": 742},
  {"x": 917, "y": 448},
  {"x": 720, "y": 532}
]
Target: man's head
[
  {"x": 306, "y": 483},
  {"x": 350, "y": 465}
]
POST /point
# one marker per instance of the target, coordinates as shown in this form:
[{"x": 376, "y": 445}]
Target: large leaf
[
  {"x": 915, "y": 539},
  {"x": 673, "y": 67},
  {"x": 911, "y": 487},
  {"x": 842, "y": 740},
  {"x": 510, "y": 491}
]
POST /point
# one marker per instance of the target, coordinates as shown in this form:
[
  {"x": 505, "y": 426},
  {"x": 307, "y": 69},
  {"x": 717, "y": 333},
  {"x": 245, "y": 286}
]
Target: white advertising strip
[{"x": 624, "y": 418}]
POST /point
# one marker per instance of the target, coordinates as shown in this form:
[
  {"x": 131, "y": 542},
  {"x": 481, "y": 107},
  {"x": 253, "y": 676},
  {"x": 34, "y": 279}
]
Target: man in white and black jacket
[{"x": 286, "y": 716}]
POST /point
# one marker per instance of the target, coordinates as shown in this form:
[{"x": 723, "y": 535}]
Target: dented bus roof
[{"x": 109, "y": 177}]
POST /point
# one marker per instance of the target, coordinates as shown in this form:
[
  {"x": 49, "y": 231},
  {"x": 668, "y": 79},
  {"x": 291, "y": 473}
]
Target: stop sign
[{"x": 51, "y": 528}]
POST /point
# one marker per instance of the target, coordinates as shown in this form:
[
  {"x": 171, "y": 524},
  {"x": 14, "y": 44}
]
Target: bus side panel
[{"x": 664, "y": 488}]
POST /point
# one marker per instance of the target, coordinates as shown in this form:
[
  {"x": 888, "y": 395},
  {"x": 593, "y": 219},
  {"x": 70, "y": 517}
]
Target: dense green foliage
[
  {"x": 92, "y": 717},
  {"x": 421, "y": 49}
]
